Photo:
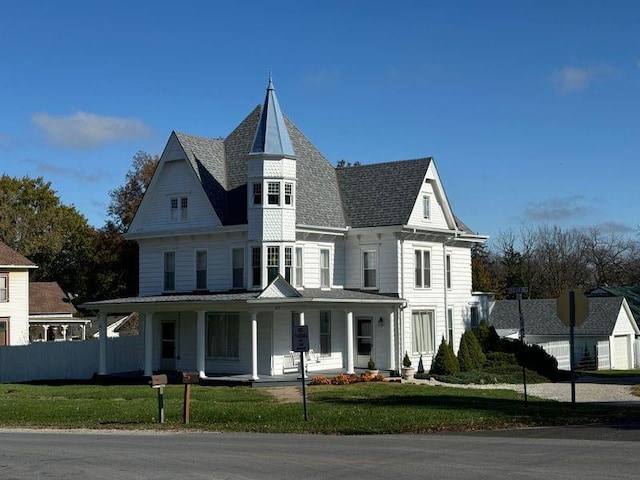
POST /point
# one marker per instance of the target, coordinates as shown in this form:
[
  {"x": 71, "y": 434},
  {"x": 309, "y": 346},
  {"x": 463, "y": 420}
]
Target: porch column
[
  {"x": 392, "y": 342},
  {"x": 148, "y": 344},
  {"x": 84, "y": 331},
  {"x": 64, "y": 329},
  {"x": 200, "y": 339},
  {"x": 45, "y": 328},
  {"x": 254, "y": 345},
  {"x": 102, "y": 359},
  {"x": 301, "y": 318},
  {"x": 350, "y": 368}
]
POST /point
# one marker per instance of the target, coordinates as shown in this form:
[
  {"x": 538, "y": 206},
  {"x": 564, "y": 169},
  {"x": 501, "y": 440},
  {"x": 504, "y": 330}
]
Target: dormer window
[
  {"x": 273, "y": 193},
  {"x": 288, "y": 194},
  {"x": 257, "y": 194},
  {"x": 179, "y": 208},
  {"x": 426, "y": 207}
]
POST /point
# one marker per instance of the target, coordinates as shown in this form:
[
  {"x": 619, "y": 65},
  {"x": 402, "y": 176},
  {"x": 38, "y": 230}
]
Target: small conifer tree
[
  {"x": 445, "y": 361},
  {"x": 470, "y": 354}
]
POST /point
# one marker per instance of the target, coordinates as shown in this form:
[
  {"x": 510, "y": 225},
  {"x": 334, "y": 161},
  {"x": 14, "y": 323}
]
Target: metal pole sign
[
  {"x": 300, "y": 343},
  {"x": 518, "y": 292},
  {"x": 159, "y": 382}
]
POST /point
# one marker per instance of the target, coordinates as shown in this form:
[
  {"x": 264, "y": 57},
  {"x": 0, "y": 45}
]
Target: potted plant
[
  {"x": 407, "y": 370},
  {"x": 371, "y": 367}
]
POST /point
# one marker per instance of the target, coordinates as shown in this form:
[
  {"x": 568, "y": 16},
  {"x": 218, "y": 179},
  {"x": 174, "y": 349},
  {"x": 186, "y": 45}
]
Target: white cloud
[
  {"x": 572, "y": 79},
  {"x": 88, "y": 130},
  {"x": 556, "y": 209},
  {"x": 46, "y": 169}
]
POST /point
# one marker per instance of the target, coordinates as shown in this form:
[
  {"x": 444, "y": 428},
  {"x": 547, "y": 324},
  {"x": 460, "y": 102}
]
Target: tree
[
  {"x": 56, "y": 237},
  {"x": 484, "y": 274},
  {"x": 470, "y": 355},
  {"x": 126, "y": 199},
  {"x": 445, "y": 361}
]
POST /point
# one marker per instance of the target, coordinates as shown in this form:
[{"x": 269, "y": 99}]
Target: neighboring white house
[
  {"x": 14, "y": 297},
  {"x": 245, "y": 236},
  {"x": 52, "y": 315},
  {"x": 608, "y": 333}
]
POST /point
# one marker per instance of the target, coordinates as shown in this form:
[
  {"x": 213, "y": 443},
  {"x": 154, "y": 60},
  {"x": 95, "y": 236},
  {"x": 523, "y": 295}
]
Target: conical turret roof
[{"x": 272, "y": 137}]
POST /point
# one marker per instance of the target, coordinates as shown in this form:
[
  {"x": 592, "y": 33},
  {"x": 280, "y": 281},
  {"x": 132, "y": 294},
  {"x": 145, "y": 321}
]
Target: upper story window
[
  {"x": 273, "y": 193},
  {"x": 201, "y": 269},
  {"x": 288, "y": 194},
  {"x": 423, "y": 327},
  {"x": 426, "y": 207},
  {"x": 237, "y": 266},
  {"x": 257, "y": 194},
  {"x": 423, "y": 268},
  {"x": 256, "y": 266},
  {"x": 448, "y": 268},
  {"x": 4, "y": 287},
  {"x": 325, "y": 276},
  {"x": 273, "y": 263},
  {"x": 169, "y": 271},
  {"x": 474, "y": 313},
  {"x": 288, "y": 264},
  {"x": 299, "y": 269},
  {"x": 369, "y": 269},
  {"x": 179, "y": 208}
]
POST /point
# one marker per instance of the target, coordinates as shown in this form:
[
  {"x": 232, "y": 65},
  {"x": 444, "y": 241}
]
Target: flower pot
[{"x": 408, "y": 373}]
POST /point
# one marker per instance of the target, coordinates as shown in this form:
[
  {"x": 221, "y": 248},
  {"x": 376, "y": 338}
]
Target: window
[
  {"x": 179, "y": 208},
  {"x": 4, "y": 332},
  {"x": 369, "y": 269},
  {"x": 201, "y": 270},
  {"x": 448, "y": 267},
  {"x": 325, "y": 278},
  {"x": 4, "y": 287},
  {"x": 169, "y": 271},
  {"x": 223, "y": 335},
  {"x": 475, "y": 316},
  {"x": 257, "y": 194},
  {"x": 325, "y": 333},
  {"x": 424, "y": 331},
  {"x": 273, "y": 263},
  {"x": 450, "y": 325},
  {"x": 256, "y": 266},
  {"x": 288, "y": 194},
  {"x": 273, "y": 193},
  {"x": 423, "y": 269},
  {"x": 295, "y": 320},
  {"x": 288, "y": 264},
  {"x": 299, "y": 271},
  {"x": 426, "y": 207},
  {"x": 237, "y": 266}
]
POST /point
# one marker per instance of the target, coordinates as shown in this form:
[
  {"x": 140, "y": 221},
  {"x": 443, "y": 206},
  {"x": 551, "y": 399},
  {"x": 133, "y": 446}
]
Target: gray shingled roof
[
  {"x": 540, "y": 317},
  {"x": 10, "y": 258},
  {"x": 48, "y": 297}
]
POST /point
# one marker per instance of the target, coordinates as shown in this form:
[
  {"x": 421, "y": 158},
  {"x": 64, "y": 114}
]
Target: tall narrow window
[
  {"x": 426, "y": 207},
  {"x": 448, "y": 267},
  {"x": 169, "y": 271},
  {"x": 256, "y": 266},
  {"x": 450, "y": 325},
  {"x": 201, "y": 270},
  {"x": 288, "y": 193},
  {"x": 424, "y": 331},
  {"x": 325, "y": 333},
  {"x": 223, "y": 335},
  {"x": 299, "y": 270},
  {"x": 475, "y": 316},
  {"x": 370, "y": 269},
  {"x": 273, "y": 193},
  {"x": 295, "y": 319},
  {"x": 4, "y": 332},
  {"x": 4, "y": 287},
  {"x": 422, "y": 268},
  {"x": 273, "y": 263},
  {"x": 288, "y": 264},
  {"x": 237, "y": 265},
  {"x": 184, "y": 208},
  {"x": 257, "y": 194},
  {"x": 325, "y": 277},
  {"x": 174, "y": 209}
]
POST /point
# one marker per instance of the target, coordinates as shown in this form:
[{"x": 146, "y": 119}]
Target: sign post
[
  {"x": 159, "y": 382},
  {"x": 572, "y": 308},
  {"x": 300, "y": 343},
  {"x": 518, "y": 292}
]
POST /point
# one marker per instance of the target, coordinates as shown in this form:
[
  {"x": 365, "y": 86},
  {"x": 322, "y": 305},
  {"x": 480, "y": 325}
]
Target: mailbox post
[
  {"x": 188, "y": 379},
  {"x": 159, "y": 382}
]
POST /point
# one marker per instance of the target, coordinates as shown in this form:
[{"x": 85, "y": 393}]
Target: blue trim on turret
[{"x": 272, "y": 136}]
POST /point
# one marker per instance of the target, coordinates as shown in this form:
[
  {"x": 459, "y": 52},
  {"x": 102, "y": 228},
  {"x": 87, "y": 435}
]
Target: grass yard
[{"x": 364, "y": 408}]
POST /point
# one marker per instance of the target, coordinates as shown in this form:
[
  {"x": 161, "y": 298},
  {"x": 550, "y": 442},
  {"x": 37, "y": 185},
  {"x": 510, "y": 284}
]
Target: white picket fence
[
  {"x": 69, "y": 360},
  {"x": 561, "y": 351}
]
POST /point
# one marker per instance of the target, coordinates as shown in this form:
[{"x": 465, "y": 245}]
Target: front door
[
  {"x": 364, "y": 341},
  {"x": 168, "y": 346}
]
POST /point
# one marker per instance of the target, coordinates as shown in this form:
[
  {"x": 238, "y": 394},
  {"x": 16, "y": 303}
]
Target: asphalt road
[{"x": 606, "y": 453}]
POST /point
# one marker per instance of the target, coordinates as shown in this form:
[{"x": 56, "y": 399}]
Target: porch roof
[{"x": 250, "y": 300}]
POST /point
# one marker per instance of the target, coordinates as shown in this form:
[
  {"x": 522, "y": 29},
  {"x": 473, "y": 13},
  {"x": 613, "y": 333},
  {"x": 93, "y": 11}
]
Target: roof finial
[{"x": 270, "y": 87}]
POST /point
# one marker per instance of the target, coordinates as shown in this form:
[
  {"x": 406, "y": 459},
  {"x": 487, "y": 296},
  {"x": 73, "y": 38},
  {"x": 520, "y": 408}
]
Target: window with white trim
[
  {"x": 273, "y": 193},
  {"x": 256, "y": 266},
  {"x": 288, "y": 194},
  {"x": 299, "y": 269},
  {"x": 169, "y": 271},
  {"x": 223, "y": 335},
  {"x": 273, "y": 263},
  {"x": 4, "y": 332},
  {"x": 288, "y": 264},
  {"x": 4, "y": 287},
  {"x": 448, "y": 269},
  {"x": 370, "y": 269},
  {"x": 201, "y": 269},
  {"x": 422, "y": 268},
  {"x": 423, "y": 327},
  {"x": 257, "y": 194},
  {"x": 179, "y": 208},
  {"x": 237, "y": 267},
  {"x": 474, "y": 314},
  {"x": 325, "y": 274},
  {"x": 450, "y": 325},
  {"x": 426, "y": 207},
  {"x": 325, "y": 333}
]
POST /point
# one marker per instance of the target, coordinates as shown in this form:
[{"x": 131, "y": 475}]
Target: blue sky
[{"x": 531, "y": 109}]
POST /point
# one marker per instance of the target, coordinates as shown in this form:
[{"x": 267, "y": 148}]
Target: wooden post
[{"x": 185, "y": 407}]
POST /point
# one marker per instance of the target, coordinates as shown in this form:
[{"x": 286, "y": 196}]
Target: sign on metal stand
[
  {"x": 300, "y": 343},
  {"x": 518, "y": 291},
  {"x": 159, "y": 382},
  {"x": 572, "y": 308}
]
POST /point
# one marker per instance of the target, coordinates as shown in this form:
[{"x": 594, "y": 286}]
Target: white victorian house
[{"x": 245, "y": 236}]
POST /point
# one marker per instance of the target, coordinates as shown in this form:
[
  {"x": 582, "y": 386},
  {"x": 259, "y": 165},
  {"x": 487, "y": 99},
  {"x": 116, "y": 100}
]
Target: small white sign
[{"x": 300, "y": 338}]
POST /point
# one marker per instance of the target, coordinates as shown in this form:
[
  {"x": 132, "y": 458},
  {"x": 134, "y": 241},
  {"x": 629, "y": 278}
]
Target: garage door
[{"x": 621, "y": 352}]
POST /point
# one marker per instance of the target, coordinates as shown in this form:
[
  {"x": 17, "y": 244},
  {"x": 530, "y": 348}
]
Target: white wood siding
[
  {"x": 17, "y": 308},
  {"x": 437, "y": 219},
  {"x": 387, "y": 269}
]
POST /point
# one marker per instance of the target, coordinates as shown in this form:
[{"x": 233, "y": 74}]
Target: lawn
[{"x": 363, "y": 408}]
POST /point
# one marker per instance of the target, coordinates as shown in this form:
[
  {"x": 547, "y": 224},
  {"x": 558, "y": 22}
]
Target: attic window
[
  {"x": 179, "y": 208},
  {"x": 426, "y": 207}
]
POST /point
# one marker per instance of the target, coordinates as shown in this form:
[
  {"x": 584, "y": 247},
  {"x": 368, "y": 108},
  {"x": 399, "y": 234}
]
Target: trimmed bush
[
  {"x": 487, "y": 337},
  {"x": 500, "y": 360},
  {"x": 445, "y": 361},
  {"x": 470, "y": 354}
]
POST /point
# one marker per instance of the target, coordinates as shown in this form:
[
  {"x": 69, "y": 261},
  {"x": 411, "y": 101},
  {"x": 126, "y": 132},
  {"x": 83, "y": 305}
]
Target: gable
[
  {"x": 279, "y": 288},
  {"x": 439, "y": 210}
]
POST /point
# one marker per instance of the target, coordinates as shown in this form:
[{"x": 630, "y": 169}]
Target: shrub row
[{"x": 344, "y": 379}]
